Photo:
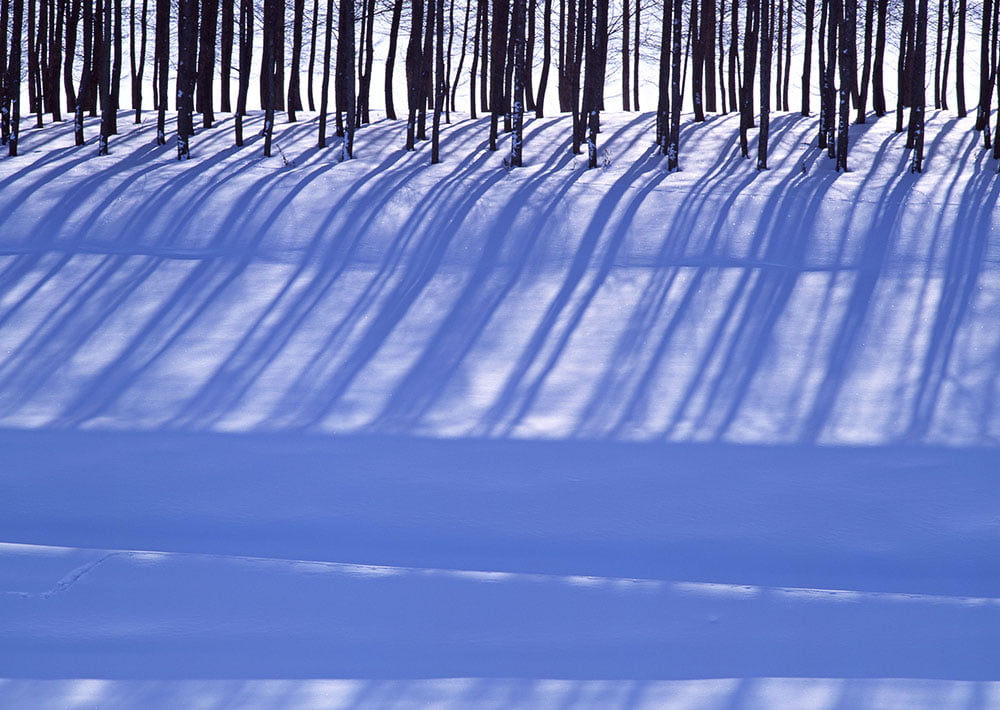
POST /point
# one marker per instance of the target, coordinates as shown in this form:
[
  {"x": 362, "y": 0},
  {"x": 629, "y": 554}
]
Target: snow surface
[{"x": 292, "y": 432}]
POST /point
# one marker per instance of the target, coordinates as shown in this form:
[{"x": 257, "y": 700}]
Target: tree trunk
[
  {"x": 543, "y": 79},
  {"x": 294, "y": 101},
  {"x": 206, "y": 62},
  {"x": 390, "y": 60},
  {"x": 246, "y": 62},
  {"x": 187, "y": 42},
  {"x": 161, "y": 67},
  {"x": 346, "y": 98},
  {"x": 226, "y": 56},
  {"x": 766, "y": 47},
  {"x": 14, "y": 77},
  {"x": 324, "y": 94},
  {"x": 807, "y": 50},
  {"x": 440, "y": 83},
  {"x": 312, "y": 56}
]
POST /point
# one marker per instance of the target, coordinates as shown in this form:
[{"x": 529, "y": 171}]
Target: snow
[{"x": 378, "y": 433}]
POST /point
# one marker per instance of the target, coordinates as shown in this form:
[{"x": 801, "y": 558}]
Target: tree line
[{"x": 713, "y": 56}]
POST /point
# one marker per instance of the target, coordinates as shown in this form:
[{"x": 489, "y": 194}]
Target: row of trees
[{"x": 712, "y": 55}]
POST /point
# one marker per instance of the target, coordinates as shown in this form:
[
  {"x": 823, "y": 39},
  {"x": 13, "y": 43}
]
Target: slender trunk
[
  {"x": 626, "y": 66},
  {"x": 498, "y": 57},
  {"x": 226, "y": 56},
  {"x": 413, "y": 66},
  {"x": 766, "y": 47},
  {"x": 807, "y": 50},
  {"x": 918, "y": 92},
  {"x": 636, "y": 57},
  {"x": 104, "y": 82},
  {"x": 985, "y": 70},
  {"x": 749, "y": 65},
  {"x": 187, "y": 42},
  {"x": 440, "y": 81},
  {"x": 848, "y": 23},
  {"x": 734, "y": 53},
  {"x": 206, "y": 62},
  {"x": 878, "y": 80},
  {"x": 246, "y": 62},
  {"x": 543, "y": 79},
  {"x": 390, "y": 60},
  {"x": 73, "y": 9},
  {"x": 161, "y": 67},
  {"x": 314, "y": 28},
  {"x": 461, "y": 59},
  {"x": 324, "y": 92},
  {"x": 294, "y": 101},
  {"x": 369, "y": 60},
  {"x": 346, "y": 98},
  {"x": 116, "y": 66},
  {"x": 676, "y": 93},
  {"x": 960, "y": 60},
  {"x": 474, "y": 67},
  {"x": 866, "y": 70},
  {"x": 14, "y": 77},
  {"x": 274, "y": 15},
  {"x": 947, "y": 54}
]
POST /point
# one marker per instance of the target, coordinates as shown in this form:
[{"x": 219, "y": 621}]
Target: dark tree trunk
[
  {"x": 312, "y": 56},
  {"x": 187, "y": 43},
  {"x": 985, "y": 70},
  {"x": 116, "y": 66},
  {"x": 138, "y": 62},
  {"x": 324, "y": 93},
  {"x": 72, "y": 28},
  {"x": 272, "y": 57},
  {"x": 947, "y": 54},
  {"x": 246, "y": 62},
  {"x": 87, "y": 71},
  {"x": 390, "y": 60},
  {"x": 206, "y": 61},
  {"x": 676, "y": 93},
  {"x": 294, "y": 101},
  {"x": 461, "y": 60},
  {"x": 226, "y": 56},
  {"x": 734, "y": 54},
  {"x": 4, "y": 73},
  {"x": 161, "y": 67},
  {"x": 426, "y": 70},
  {"x": 635, "y": 57},
  {"x": 369, "y": 60},
  {"x": 708, "y": 52},
  {"x": 484, "y": 54},
  {"x": 414, "y": 63},
  {"x": 517, "y": 36},
  {"x": 766, "y": 47},
  {"x": 697, "y": 62},
  {"x": 807, "y": 51},
  {"x": 346, "y": 99},
  {"x": 498, "y": 57},
  {"x": 440, "y": 82},
  {"x": 626, "y": 66},
  {"x": 543, "y": 79},
  {"x": 846, "y": 10},
  {"x": 475, "y": 65},
  {"x": 750, "y": 38},
  {"x": 878, "y": 76},
  {"x": 866, "y": 70},
  {"x": 14, "y": 78},
  {"x": 960, "y": 60},
  {"x": 104, "y": 76},
  {"x": 918, "y": 92}
]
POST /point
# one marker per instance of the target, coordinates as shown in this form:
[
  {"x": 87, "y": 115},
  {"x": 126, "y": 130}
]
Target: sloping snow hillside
[{"x": 292, "y": 432}]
